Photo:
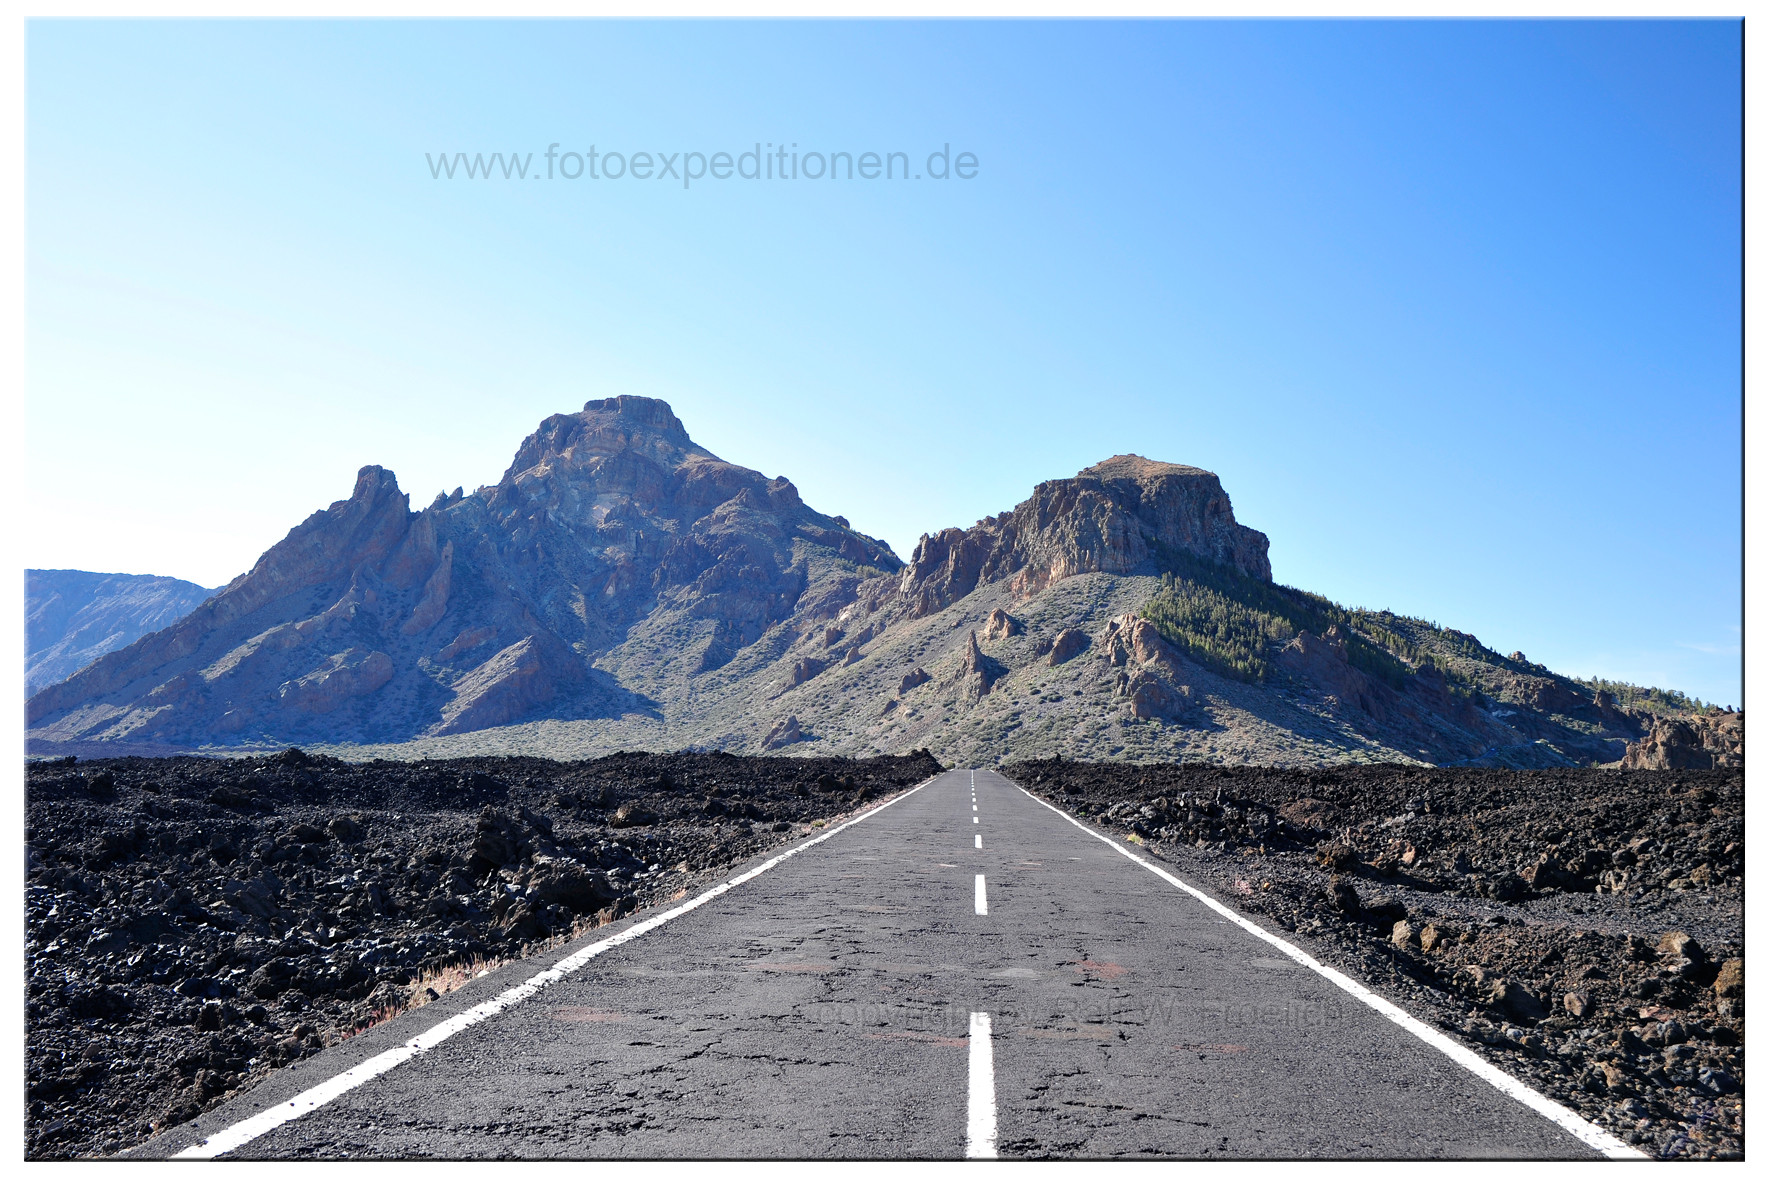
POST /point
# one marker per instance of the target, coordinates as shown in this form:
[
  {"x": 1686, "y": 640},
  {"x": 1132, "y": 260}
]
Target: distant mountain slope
[
  {"x": 72, "y": 617},
  {"x": 622, "y": 588}
]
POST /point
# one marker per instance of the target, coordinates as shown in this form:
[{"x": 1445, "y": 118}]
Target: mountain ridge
[{"x": 621, "y": 586}]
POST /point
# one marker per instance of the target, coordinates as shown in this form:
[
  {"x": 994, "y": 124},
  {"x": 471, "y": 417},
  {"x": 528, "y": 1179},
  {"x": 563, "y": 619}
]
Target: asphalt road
[{"x": 934, "y": 981}]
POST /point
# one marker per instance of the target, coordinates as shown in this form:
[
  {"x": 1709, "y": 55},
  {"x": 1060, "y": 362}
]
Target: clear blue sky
[{"x": 1453, "y": 309}]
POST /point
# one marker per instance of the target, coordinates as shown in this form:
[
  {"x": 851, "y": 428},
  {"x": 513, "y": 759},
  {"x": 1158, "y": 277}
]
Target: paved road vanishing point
[{"x": 964, "y": 971}]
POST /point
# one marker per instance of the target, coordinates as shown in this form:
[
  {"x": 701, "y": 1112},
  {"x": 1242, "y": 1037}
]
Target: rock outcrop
[
  {"x": 1000, "y": 625},
  {"x": 1152, "y": 674},
  {"x": 1117, "y": 517},
  {"x": 911, "y": 680},
  {"x": 1066, "y": 644},
  {"x": 784, "y": 733},
  {"x": 1694, "y": 743},
  {"x": 977, "y": 672},
  {"x": 1323, "y": 661}
]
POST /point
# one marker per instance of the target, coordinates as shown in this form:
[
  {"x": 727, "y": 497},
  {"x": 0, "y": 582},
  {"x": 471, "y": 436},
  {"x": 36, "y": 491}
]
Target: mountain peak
[{"x": 604, "y": 429}]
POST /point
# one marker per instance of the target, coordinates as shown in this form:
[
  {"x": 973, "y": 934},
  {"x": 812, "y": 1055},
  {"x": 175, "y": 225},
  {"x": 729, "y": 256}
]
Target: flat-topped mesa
[{"x": 1115, "y": 517}]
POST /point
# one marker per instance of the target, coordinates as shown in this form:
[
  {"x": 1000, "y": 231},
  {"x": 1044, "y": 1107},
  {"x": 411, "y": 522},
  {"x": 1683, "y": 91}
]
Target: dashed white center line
[
  {"x": 981, "y": 1089},
  {"x": 978, "y": 906},
  {"x": 978, "y": 840},
  {"x": 975, "y": 820}
]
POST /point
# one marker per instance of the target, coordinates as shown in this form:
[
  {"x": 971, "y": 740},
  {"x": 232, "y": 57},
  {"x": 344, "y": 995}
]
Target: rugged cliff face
[
  {"x": 1114, "y": 518},
  {"x": 372, "y": 622}
]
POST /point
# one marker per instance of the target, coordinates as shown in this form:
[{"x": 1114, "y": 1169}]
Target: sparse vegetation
[
  {"x": 1233, "y": 624},
  {"x": 1230, "y": 621},
  {"x": 1659, "y": 701}
]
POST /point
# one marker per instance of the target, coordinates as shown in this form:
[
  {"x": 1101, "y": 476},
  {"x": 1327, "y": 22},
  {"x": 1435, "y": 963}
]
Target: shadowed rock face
[
  {"x": 1111, "y": 518},
  {"x": 372, "y": 622}
]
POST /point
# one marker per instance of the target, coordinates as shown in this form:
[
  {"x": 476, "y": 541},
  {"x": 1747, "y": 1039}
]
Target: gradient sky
[{"x": 1452, "y": 308}]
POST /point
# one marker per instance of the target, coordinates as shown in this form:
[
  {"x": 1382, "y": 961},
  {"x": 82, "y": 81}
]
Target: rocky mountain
[
  {"x": 623, "y": 588},
  {"x": 373, "y": 622},
  {"x": 72, "y": 617}
]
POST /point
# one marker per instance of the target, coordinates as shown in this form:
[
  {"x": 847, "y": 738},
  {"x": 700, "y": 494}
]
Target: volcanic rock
[
  {"x": 632, "y": 815},
  {"x": 804, "y": 670},
  {"x": 1516, "y": 1001},
  {"x": 1149, "y": 695},
  {"x": 1000, "y": 625},
  {"x": 1343, "y": 896},
  {"x": 911, "y": 680},
  {"x": 784, "y": 733},
  {"x": 1066, "y": 644},
  {"x": 1730, "y": 997},
  {"x": 977, "y": 672},
  {"x": 1692, "y": 743},
  {"x": 565, "y": 882},
  {"x": 351, "y": 673},
  {"x": 1132, "y": 639},
  {"x": 1323, "y": 660},
  {"x": 1117, "y": 516}
]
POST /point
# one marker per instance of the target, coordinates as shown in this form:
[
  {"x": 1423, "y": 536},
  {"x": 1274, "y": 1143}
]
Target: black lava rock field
[
  {"x": 193, "y": 923},
  {"x": 1582, "y": 928}
]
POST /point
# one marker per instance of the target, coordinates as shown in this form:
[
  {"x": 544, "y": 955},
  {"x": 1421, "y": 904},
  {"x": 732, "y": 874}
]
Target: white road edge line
[
  {"x": 981, "y": 1091},
  {"x": 978, "y": 906},
  {"x": 248, "y": 1130},
  {"x": 1591, "y": 1134}
]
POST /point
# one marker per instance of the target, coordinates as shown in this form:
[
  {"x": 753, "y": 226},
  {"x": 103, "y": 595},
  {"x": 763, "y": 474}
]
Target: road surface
[{"x": 964, "y": 972}]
